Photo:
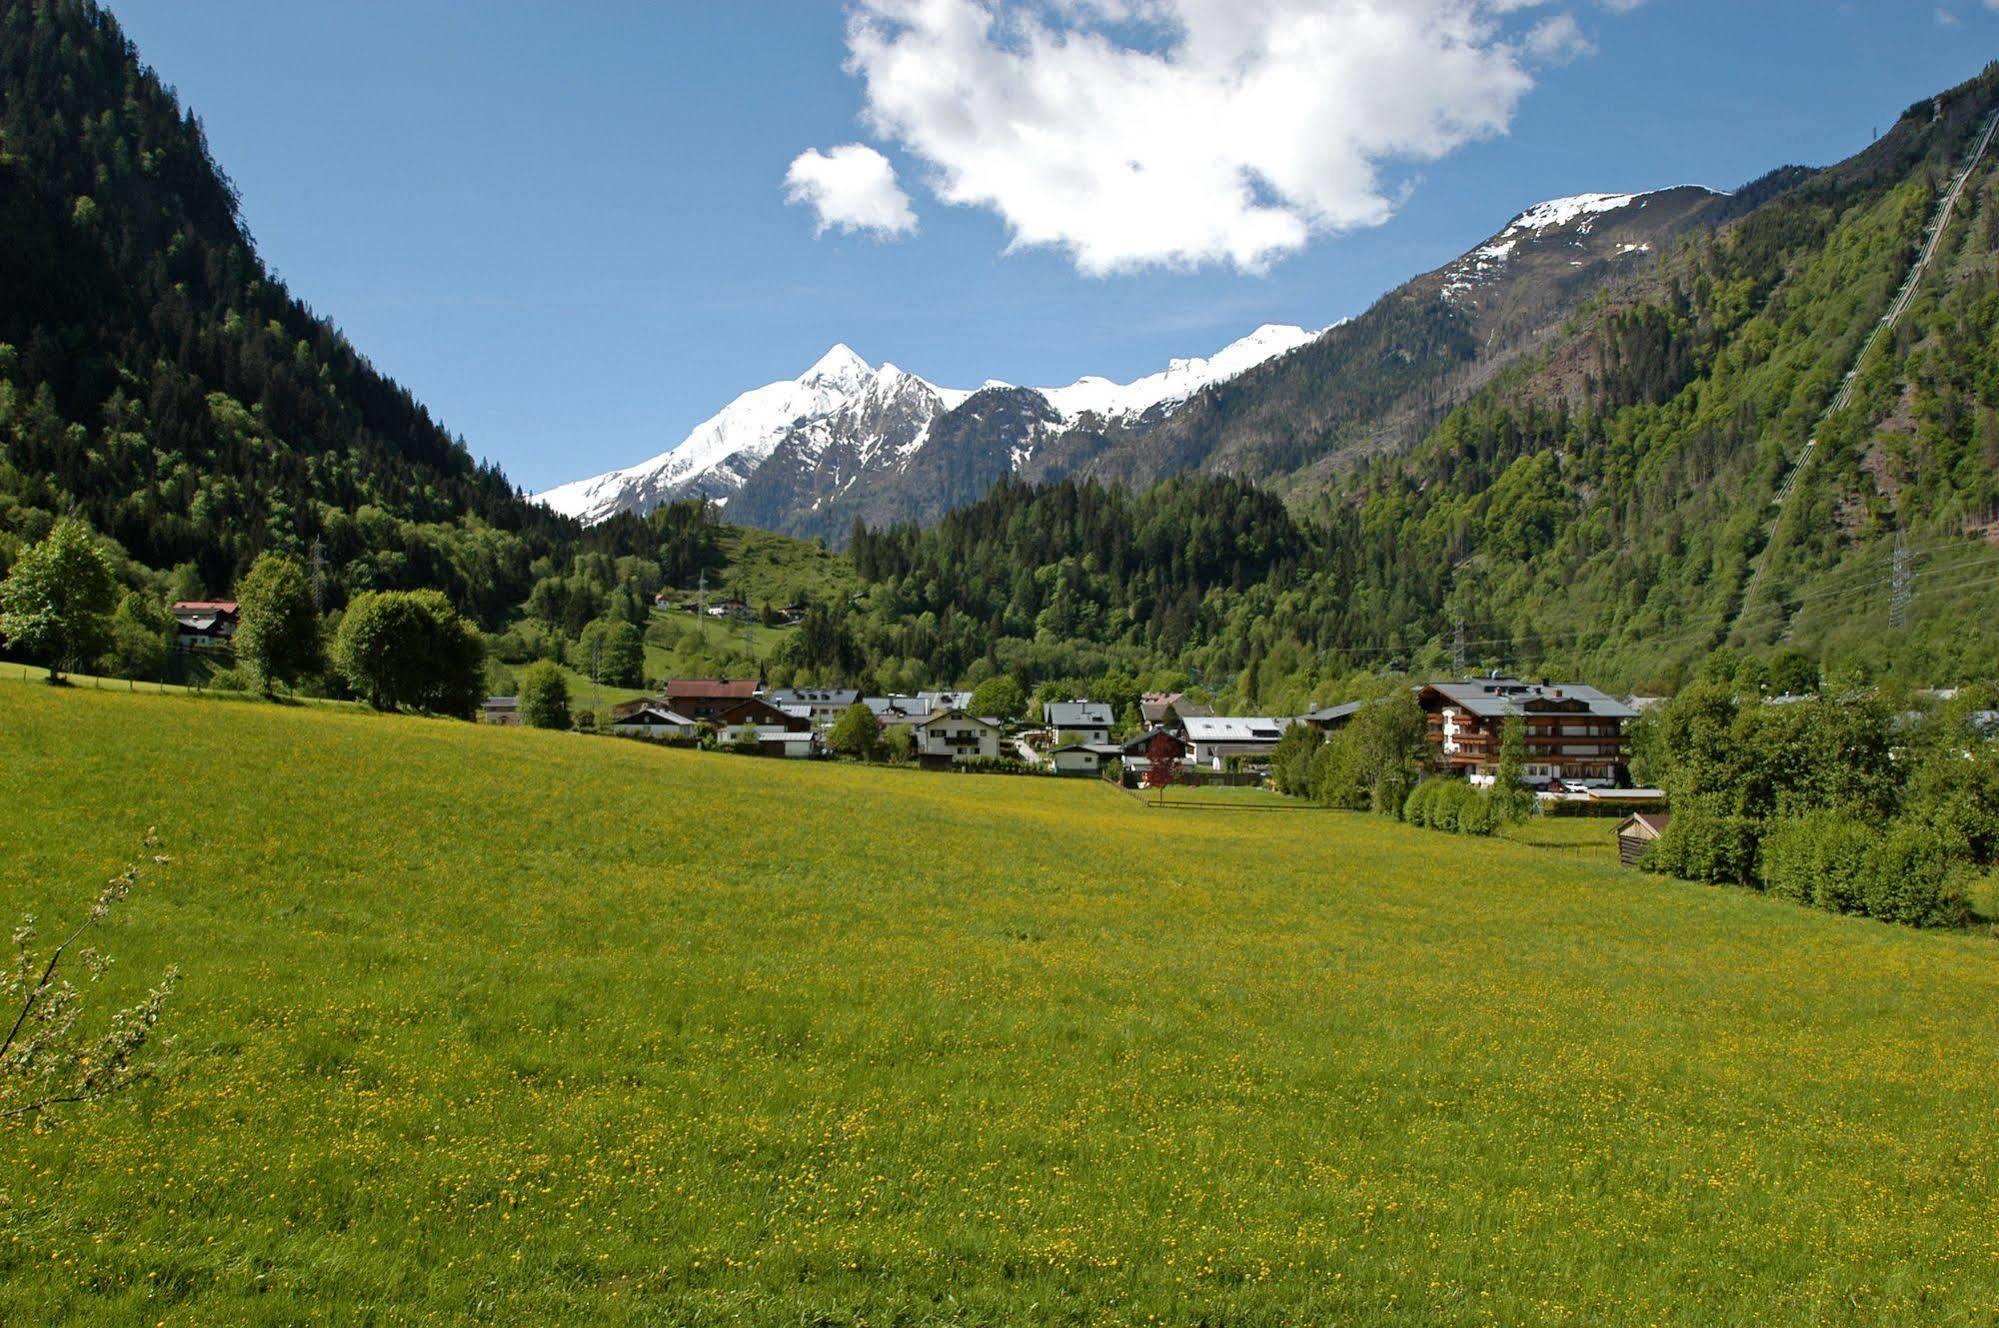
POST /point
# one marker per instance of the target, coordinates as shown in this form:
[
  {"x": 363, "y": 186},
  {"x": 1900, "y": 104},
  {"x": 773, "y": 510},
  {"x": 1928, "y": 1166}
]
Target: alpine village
[{"x": 1486, "y": 812}]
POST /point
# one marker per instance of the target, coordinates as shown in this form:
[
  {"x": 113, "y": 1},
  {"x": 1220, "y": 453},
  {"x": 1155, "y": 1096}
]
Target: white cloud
[
  {"x": 852, "y": 188},
  {"x": 1133, "y": 133},
  {"x": 1559, "y": 40}
]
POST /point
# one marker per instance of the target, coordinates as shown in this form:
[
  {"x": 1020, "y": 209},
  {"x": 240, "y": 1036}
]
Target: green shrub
[
  {"x": 856, "y": 733},
  {"x": 1704, "y": 845},
  {"x": 1448, "y": 803},
  {"x": 996, "y": 765},
  {"x": 1481, "y": 814},
  {"x": 1339, "y": 776},
  {"x": 229, "y": 680},
  {"x": 1291, "y": 764},
  {"x": 1912, "y": 877},
  {"x": 1819, "y": 859},
  {"x": 1956, "y": 791},
  {"x": 410, "y": 648}
]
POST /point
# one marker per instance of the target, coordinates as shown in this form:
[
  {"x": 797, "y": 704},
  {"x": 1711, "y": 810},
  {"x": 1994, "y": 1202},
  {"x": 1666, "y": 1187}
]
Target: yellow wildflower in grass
[{"x": 488, "y": 1025}]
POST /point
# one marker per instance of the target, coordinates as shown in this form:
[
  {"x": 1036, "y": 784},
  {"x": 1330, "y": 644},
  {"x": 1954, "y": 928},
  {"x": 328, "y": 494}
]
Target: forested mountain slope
[
  {"x": 1383, "y": 380},
  {"x": 159, "y": 379},
  {"x": 1600, "y": 506}
]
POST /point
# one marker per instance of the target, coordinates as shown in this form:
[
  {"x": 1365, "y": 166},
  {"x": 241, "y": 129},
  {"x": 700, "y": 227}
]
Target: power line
[{"x": 1902, "y": 581}]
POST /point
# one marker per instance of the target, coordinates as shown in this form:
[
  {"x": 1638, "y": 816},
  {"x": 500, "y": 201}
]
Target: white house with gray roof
[{"x": 1090, "y": 721}]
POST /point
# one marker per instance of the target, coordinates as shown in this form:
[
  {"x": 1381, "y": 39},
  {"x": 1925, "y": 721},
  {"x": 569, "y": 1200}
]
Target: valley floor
[{"x": 484, "y": 1025}]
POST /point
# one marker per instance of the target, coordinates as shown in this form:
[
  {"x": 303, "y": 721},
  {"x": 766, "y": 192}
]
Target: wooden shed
[{"x": 1638, "y": 832}]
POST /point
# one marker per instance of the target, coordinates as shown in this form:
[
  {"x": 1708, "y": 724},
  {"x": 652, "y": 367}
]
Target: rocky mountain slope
[
  {"x": 846, "y": 439},
  {"x": 847, "y": 442}
]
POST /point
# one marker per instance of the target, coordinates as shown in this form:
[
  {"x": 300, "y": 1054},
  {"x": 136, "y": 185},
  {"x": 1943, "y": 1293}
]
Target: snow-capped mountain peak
[
  {"x": 846, "y": 414},
  {"x": 839, "y": 368}
]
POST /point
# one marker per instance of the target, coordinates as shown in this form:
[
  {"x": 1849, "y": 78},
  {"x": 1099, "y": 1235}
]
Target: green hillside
[
  {"x": 504, "y": 1026},
  {"x": 1602, "y": 509}
]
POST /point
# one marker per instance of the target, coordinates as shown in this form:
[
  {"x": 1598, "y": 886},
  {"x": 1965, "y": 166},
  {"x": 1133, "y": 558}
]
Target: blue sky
[{"x": 565, "y": 229}]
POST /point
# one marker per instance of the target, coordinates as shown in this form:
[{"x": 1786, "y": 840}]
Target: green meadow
[{"x": 503, "y": 1026}]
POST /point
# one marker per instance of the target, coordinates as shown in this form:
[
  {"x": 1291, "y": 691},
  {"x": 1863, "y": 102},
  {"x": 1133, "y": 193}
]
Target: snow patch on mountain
[
  {"x": 1574, "y": 217},
  {"x": 1181, "y": 379},
  {"x": 1567, "y": 212}
]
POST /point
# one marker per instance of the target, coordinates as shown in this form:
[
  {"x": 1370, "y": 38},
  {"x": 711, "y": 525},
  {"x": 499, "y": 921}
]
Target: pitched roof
[
  {"x": 1233, "y": 728},
  {"x": 1155, "y": 706},
  {"x": 653, "y": 714},
  {"x": 837, "y": 696},
  {"x": 1495, "y": 697},
  {"x": 1328, "y": 714},
  {"x": 1655, "y": 822},
  {"x": 204, "y": 606},
  {"x": 885, "y": 706},
  {"x": 937, "y": 715},
  {"x": 1077, "y": 715},
  {"x": 711, "y": 689}
]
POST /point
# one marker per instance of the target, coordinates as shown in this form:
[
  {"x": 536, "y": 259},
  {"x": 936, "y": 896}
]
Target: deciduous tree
[
  {"x": 544, "y": 698},
  {"x": 409, "y": 648},
  {"x": 855, "y": 733},
  {"x": 277, "y": 633},
  {"x": 55, "y": 605}
]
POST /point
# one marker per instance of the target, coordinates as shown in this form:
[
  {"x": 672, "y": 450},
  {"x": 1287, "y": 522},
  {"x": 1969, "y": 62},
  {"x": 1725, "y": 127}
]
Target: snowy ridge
[
  {"x": 1574, "y": 217},
  {"x": 1566, "y": 211},
  {"x": 1181, "y": 378},
  {"x": 857, "y": 420}
]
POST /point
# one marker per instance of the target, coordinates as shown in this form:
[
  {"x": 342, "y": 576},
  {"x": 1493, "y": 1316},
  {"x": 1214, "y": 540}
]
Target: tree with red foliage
[{"x": 1162, "y": 762}]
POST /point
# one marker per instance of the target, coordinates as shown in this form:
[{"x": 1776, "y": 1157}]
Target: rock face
[{"x": 846, "y": 440}]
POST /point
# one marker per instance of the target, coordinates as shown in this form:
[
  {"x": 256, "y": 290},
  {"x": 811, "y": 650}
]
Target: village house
[
  {"x": 1215, "y": 740},
  {"x": 755, "y": 713},
  {"x": 1090, "y": 721},
  {"x": 946, "y": 700},
  {"x": 892, "y": 709},
  {"x": 821, "y": 705},
  {"x": 1574, "y": 733},
  {"x": 703, "y": 700},
  {"x": 948, "y": 737},
  {"x": 502, "y": 710},
  {"x": 791, "y": 744},
  {"x": 652, "y": 720},
  {"x": 1085, "y": 758},
  {"x": 1139, "y": 753},
  {"x": 1331, "y": 719},
  {"x": 1170, "y": 710},
  {"x": 205, "y": 624},
  {"x": 1638, "y": 832}
]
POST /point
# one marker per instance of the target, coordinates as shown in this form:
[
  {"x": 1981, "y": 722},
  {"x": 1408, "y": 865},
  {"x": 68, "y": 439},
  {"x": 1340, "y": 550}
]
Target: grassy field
[
  {"x": 500, "y": 1026},
  {"x": 1590, "y": 837}
]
